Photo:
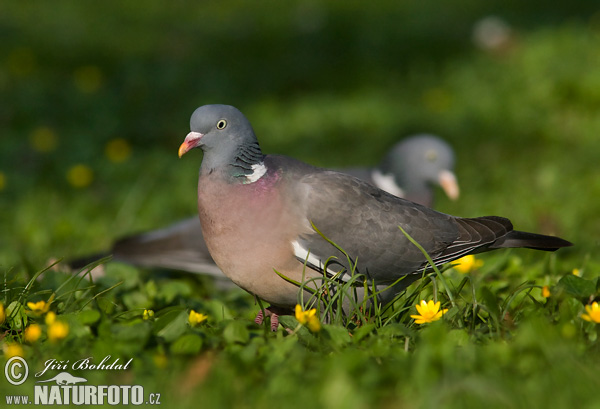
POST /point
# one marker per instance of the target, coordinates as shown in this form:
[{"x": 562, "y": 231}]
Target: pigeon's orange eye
[{"x": 221, "y": 124}]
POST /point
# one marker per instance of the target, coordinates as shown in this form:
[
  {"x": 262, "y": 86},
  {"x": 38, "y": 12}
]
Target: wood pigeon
[
  {"x": 268, "y": 216},
  {"x": 411, "y": 169}
]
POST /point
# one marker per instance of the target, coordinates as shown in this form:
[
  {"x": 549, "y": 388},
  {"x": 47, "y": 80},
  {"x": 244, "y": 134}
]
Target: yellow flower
[
  {"x": 12, "y": 349},
  {"x": 308, "y": 318},
  {"x": 467, "y": 264},
  {"x": 160, "y": 360},
  {"x": 2, "y": 313},
  {"x": 429, "y": 312},
  {"x": 32, "y": 333},
  {"x": 43, "y": 139},
  {"x": 196, "y": 318},
  {"x": 40, "y": 307},
  {"x": 80, "y": 176},
  {"x": 50, "y": 318},
  {"x": 2, "y": 181},
  {"x": 88, "y": 79},
  {"x": 58, "y": 330},
  {"x": 545, "y": 291},
  {"x": 148, "y": 314},
  {"x": 593, "y": 313},
  {"x": 117, "y": 150},
  {"x": 576, "y": 272}
]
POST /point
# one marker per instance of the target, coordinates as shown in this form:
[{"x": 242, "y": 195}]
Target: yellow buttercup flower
[
  {"x": 80, "y": 176},
  {"x": 576, "y": 272},
  {"x": 148, "y": 314},
  {"x": 304, "y": 316},
  {"x": 593, "y": 313},
  {"x": 88, "y": 79},
  {"x": 429, "y": 312},
  {"x": 58, "y": 330},
  {"x": 32, "y": 333},
  {"x": 545, "y": 291},
  {"x": 117, "y": 150},
  {"x": 2, "y": 314},
  {"x": 160, "y": 360},
  {"x": 12, "y": 349},
  {"x": 40, "y": 307},
  {"x": 308, "y": 318},
  {"x": 43, "y": 139},
  {"x": 50, "y": 318},
  {"x": 196, "y": 318},
  {"x": 467, "y": 264}
]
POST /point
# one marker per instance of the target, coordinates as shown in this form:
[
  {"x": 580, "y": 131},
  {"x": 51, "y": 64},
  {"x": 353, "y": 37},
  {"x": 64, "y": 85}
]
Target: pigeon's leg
[
  {"x": 274, "y": 313},
  {"x": 274, "y": 322},
  {"x": 259, "y": 317}
]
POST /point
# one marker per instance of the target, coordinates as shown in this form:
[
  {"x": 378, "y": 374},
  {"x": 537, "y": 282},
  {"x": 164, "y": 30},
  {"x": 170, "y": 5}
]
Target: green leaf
[
  {"x": 217, "y": 310},
  {"x": 458, "y": 337},
  {"x": 136, "y": 299},
  {"x": 577, "y": 286},
  {"x": 236, "y": 332},
  {"x": 77, "y": 328},
  {"x": 151, "y": 289},
  {"x": 288, "y": 321},
  {"x": 363, "y": 332},
  {"x": 168, "y": 290},
  {"x": 106, "y": 304},
  {"x": 15, "y": 314},
  {"x": 338, "y": 336},
  {"x": 394, "y": 330},
  {"x": 569, "y": 308},
  {"x": 116, "y": 272},
  {"x": 488, "y": 300},
  {"x": 87, "y": 317},
  {"x": 136, "y": 332},
  {"x": 124, "y": 338},
  {"x": 187, "y": 344},
  {"x": 171, "y": 325}
]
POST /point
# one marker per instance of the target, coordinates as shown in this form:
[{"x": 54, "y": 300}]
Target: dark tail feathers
[{"x": 535, "y": 241}]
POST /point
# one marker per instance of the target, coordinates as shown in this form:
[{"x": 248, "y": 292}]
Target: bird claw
[
  {"x": 274, "y": 322},
  {"x": 273, "y": 313},
  {"x": 259, "y": 318}
]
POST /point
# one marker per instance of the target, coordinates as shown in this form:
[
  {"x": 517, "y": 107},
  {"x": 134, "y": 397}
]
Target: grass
[{"x": 334, "y": 85}]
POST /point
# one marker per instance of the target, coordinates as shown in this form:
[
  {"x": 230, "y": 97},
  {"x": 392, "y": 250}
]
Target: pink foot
[
  {"x": 274, "y": 322},
  {"x": 273, "y": 313},
  {"x": 259, "y": 317}
]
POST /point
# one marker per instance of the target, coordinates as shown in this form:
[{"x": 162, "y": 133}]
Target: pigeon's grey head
[
  {"x": 220, "y": 130},
  {"x": 419, "y": 162}
]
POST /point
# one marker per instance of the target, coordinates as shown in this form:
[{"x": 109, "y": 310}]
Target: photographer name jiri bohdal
[{"x": 85, "y": 364}]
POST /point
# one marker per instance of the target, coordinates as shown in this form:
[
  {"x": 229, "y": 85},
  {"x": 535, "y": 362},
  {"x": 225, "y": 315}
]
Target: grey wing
[
  {"x": 179, "y": 246},
  {"x": 363, "y": 220}
]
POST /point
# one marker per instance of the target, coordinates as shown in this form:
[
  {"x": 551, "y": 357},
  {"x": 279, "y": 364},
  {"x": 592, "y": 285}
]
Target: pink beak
[
  {"x": 449, "y": 184},
  {"x": 191, "y": 141}
]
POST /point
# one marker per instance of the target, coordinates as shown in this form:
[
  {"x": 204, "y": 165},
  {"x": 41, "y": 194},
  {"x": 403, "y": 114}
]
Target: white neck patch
[
  {"x": 387, "y": 183},
  {"x": 258, "y": 170}
]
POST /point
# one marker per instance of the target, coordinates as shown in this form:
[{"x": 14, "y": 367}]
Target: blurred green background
[
  {"x": 332, "y": 83},
  {"x": 95, "y": 98}
]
